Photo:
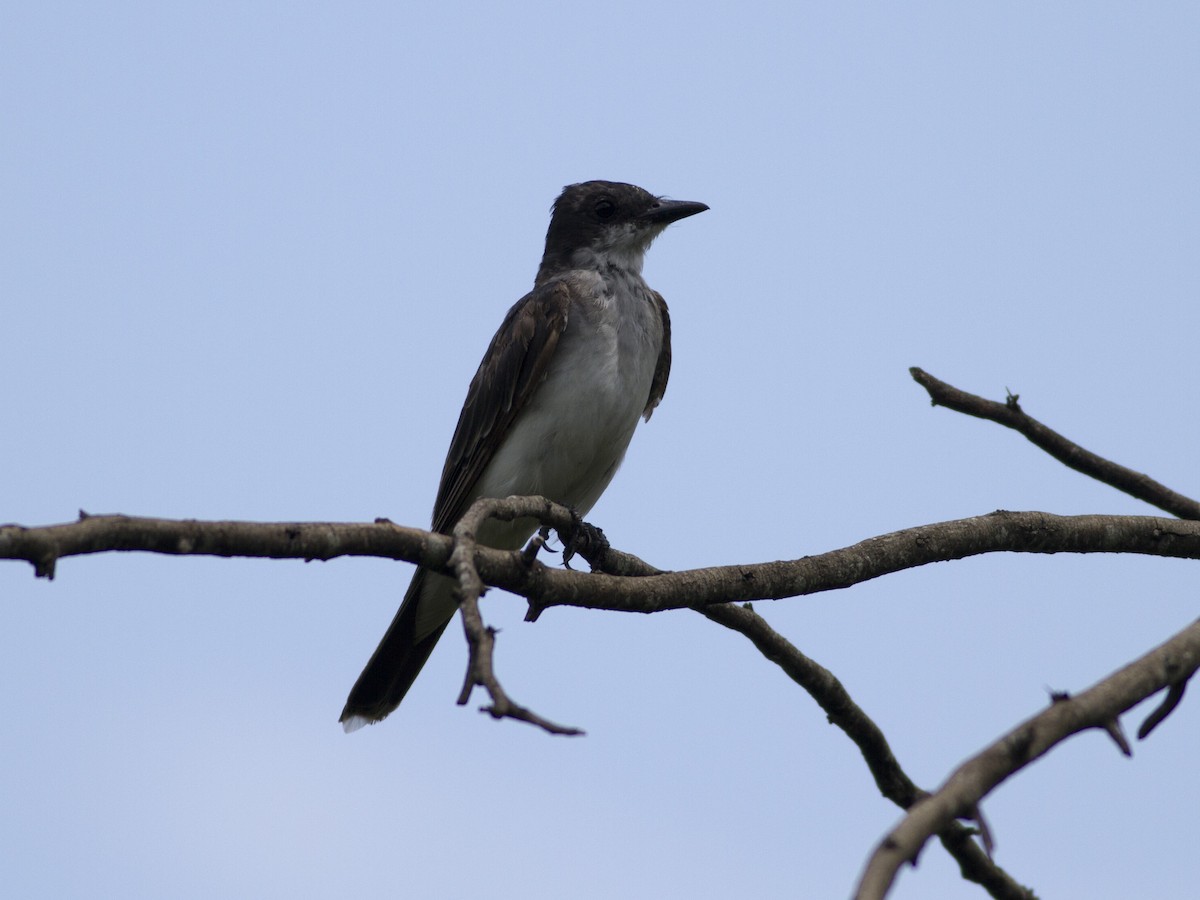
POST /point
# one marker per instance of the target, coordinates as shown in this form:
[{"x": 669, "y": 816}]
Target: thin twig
[
  {"x": 481, "y": 639},
  {"x": 1010, "y": 415},
  {"x": 821, "y": 684},
  {"x": 1164, "y": 709}
]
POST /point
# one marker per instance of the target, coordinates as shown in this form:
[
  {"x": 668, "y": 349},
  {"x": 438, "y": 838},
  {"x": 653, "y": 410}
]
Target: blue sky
[{"x": 250, "y": 257}]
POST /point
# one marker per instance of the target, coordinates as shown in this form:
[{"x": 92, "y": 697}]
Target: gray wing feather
[
  {"x": 662, "y": 370},
  {"x": 513, "y": 367}
]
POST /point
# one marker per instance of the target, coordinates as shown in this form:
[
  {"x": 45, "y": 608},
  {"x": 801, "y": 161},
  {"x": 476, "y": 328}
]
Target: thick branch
[
  {"x": 1010, "y": 415},
  {"x": 1018, "y": 532},
  {"x": 44, "y": 546},
  {"x": 1168, "y": 665}
]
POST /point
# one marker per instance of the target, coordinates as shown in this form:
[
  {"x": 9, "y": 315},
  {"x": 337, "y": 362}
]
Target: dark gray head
[{"x": 607, "y": 222}]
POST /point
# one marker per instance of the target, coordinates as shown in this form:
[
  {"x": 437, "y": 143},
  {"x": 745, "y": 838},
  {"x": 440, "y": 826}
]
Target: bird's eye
[{"x": 605, "y": 208}]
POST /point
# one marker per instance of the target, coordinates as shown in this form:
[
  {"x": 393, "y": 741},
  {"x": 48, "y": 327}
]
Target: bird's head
[{"x": 608, "y": 222}]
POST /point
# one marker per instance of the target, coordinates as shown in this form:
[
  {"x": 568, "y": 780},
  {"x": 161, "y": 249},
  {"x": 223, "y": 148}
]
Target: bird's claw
[{"x": 585, "y": 539}]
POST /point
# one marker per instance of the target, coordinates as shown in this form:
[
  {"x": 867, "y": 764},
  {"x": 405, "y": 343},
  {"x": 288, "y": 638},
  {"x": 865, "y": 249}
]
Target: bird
[{"x": 574, "y": 366}]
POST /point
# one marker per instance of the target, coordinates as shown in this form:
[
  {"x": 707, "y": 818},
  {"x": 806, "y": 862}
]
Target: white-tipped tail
[{"x": 354, "y": 723}]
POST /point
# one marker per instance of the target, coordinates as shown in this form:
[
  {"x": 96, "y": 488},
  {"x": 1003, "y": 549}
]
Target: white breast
[{"x": 569, "y": 440}]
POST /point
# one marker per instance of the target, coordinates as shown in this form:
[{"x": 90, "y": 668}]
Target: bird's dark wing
[
  {"x": 662, "y": 369},
  {"x": 512, "y": 369}
]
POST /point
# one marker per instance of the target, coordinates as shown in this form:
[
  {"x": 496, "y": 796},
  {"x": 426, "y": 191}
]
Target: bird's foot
[{"x": 586, "y": 540}]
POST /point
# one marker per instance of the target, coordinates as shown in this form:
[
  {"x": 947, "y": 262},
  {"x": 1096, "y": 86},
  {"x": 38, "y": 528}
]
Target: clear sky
[{"x": 250, "y": 257}]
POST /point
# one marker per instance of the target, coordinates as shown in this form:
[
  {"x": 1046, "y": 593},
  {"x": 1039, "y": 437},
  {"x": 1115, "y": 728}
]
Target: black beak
[{"x": 667, "y": 211}]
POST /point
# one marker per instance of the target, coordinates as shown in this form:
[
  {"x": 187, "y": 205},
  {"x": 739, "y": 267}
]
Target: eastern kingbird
[{"x": 552, "y": 407}]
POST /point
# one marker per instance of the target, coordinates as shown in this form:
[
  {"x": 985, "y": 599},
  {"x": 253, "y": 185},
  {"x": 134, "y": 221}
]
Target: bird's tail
[{"x": 397, "y": 660}]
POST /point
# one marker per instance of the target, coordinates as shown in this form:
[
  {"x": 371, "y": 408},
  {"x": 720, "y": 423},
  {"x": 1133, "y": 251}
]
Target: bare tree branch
[
  {"x": 623, "y": 582},
  {"x": 824, "y": 687},
  {"x": 1098, "y": 707},
  {"x": 44, "y": 546},
  {"x": 1010, "y": 415},
  {"x": 1018, "y": 532},
  {"x": 642, "y": 588},
  {"x": 481, "y": 639}
]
